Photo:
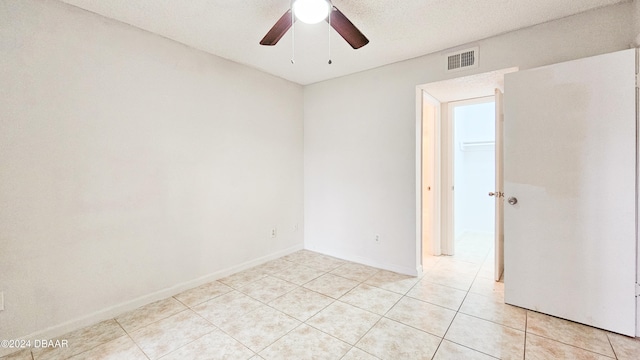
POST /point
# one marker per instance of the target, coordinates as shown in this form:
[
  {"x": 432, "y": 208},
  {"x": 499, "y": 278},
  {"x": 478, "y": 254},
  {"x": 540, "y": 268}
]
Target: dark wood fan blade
[
  {"x": 278, "y": 30},
  {"x": 347, "y": 30}
]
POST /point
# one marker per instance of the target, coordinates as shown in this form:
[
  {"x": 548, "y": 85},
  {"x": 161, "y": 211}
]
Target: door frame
[{"x": 453, "y": 89}]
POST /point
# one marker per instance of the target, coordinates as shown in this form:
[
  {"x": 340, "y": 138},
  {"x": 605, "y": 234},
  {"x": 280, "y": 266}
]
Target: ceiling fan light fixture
[{"x": 311, "y": 11}]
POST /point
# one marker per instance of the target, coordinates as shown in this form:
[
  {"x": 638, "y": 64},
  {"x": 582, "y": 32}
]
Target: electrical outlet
[
  {"x": 377, "y": 238},
  {"x": 295, "y": 228},
  {"x": 1, "y": 300},
  {"x": 274, "y": 232}
]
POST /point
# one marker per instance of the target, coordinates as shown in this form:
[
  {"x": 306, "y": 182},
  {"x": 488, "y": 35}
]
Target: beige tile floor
[{"x": 311, "y": 306}]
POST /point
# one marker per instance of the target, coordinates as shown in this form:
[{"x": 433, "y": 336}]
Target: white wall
[
  {"x": 360, "y": 136},
  {"x": 132, "y": 167},
  {"x": 474, "y": 169}
]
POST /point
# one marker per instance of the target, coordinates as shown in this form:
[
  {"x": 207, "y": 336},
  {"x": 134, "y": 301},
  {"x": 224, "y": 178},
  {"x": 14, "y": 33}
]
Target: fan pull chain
[
  {"x": 330, "y": 11},
  {"x": 293, "y": 36}
]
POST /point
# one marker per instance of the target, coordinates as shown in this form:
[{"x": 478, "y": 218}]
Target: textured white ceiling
[{"x": 398, "y": 29}]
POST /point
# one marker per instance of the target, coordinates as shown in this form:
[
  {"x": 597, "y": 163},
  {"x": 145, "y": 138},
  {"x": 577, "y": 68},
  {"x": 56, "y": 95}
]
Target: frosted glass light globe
[{"x": 311, "y": 11}]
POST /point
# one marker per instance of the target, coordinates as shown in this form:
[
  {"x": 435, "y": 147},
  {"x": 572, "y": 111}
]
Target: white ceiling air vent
[{"x": 462, "y": 59}]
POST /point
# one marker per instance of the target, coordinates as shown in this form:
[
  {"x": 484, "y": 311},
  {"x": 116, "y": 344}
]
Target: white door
[
  {"x": 570, "y": 162},
  {"x": 499, "y": 208}
]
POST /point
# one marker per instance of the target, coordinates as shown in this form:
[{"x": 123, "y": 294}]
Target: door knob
[
  {"x": 512, "y": 200},
  {"x": 492, "y": 194}
]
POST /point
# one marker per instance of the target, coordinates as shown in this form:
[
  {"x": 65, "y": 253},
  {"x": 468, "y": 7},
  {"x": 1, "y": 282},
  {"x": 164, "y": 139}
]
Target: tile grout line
[
  {"x": 574, "y": 346},
  {"x": 611, "y": 344},
  {"x": 224, "y": 332},
  {"x": 462, "y": 303},
  {"x": 459, "y": 307},
  {"x": 136, "y": 344},
  {"x": 544, "y": 336}
]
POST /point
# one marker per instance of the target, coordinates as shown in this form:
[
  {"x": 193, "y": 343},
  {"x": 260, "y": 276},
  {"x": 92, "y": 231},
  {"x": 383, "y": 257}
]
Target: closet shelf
[{"x": 477, "y": 145}]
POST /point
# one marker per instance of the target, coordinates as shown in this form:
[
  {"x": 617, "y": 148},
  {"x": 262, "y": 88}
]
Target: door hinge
[{"x": 637, "y": 289}]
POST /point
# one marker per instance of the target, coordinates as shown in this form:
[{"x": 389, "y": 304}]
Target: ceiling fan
[{"x": 311, "y": 12}]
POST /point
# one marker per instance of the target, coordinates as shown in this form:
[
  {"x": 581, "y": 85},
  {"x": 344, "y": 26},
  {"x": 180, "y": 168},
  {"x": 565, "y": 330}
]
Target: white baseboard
[
  {"x": 373, "y": 263},
  {"x": 386, "y": 266},
  {"x": 114, "y": 311}
]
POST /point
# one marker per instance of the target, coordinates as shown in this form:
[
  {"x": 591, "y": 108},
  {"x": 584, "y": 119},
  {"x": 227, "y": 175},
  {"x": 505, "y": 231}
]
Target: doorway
[
  {"x": 473, "y": 162},
  {"x": 434, "y": 175}
]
